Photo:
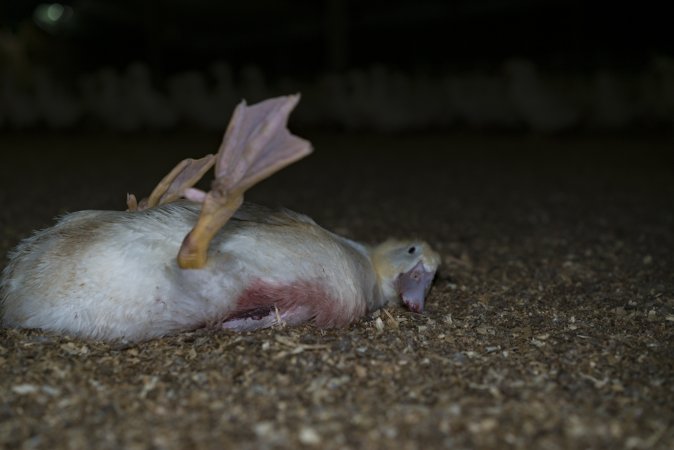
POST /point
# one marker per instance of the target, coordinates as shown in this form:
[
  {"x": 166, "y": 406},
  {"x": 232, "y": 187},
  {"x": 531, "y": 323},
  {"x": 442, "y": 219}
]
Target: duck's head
[{"x": 406, "y": 270}]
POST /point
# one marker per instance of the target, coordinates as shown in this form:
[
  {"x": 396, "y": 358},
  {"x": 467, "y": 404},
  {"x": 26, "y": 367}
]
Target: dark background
[
  {"x": 304, "y": 38},
  {"x": 595, "y": 65},
  {"x": 528, "y": 142}
]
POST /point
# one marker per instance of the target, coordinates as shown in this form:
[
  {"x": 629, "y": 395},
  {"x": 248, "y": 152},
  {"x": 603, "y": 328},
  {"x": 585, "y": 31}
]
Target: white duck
[{"x": 114, "y": 275}]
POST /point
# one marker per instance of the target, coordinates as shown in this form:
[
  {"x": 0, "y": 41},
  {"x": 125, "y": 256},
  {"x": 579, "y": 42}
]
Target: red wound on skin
[{"x": 297, "y": 302}]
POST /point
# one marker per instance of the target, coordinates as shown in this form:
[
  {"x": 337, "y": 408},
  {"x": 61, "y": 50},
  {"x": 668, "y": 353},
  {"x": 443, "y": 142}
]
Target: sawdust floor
[{"x": 551, "y": 323}]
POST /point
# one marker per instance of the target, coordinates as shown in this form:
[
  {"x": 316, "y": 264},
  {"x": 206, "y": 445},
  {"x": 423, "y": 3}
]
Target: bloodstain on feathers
[{"x": 296, "y": 302}]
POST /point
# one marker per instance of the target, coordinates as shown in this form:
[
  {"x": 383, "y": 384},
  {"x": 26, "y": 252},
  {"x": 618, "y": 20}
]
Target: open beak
[{"x": 414, "y": 285}]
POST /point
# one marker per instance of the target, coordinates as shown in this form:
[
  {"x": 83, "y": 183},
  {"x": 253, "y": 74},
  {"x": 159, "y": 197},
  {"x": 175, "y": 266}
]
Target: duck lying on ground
[{"x": 115, "y": 275}]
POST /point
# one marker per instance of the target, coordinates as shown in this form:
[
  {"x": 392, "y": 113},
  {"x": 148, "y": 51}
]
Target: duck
[{"x": 183, "y": 259}]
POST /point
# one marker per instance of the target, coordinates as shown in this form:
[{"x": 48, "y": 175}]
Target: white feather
[{"x": 113, "y": 275}]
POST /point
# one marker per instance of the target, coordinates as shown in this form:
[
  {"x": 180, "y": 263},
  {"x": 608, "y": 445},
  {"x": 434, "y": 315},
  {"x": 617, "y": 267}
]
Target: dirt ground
[{"x": 550, "y": 324}]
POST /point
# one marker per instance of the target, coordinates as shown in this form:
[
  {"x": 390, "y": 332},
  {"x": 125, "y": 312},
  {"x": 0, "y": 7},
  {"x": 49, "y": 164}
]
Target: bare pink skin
[{"x": 263, "y": 304}]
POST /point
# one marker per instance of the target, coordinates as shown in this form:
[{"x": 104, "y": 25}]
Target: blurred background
[
  {"x": 530, "y": 142},
  {"x": 373, "y": 66},
  {"x": 469, "y": 104}
]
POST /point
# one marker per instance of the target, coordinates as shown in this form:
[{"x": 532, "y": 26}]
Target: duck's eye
[{"x": 411, "y": 250}]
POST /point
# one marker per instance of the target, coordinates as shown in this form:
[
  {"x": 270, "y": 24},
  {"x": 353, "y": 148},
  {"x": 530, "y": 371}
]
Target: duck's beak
[{"x": 414, "y": 285}]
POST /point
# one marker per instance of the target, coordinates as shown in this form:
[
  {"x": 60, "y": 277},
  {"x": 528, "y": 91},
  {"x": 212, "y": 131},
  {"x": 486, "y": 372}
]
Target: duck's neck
[
  {"x": 377, "y": 289},
  {"x": 385, "y": 291}
]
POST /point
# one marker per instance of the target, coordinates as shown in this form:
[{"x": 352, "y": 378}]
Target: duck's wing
[
  {"x": 178, "y": 183},
  {"x": 256, "y": 144}
]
